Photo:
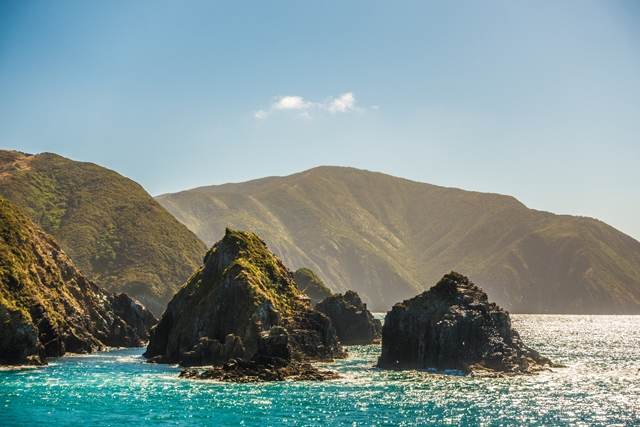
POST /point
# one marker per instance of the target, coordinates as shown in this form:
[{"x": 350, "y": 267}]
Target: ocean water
[{"x": 599, "y": 387}]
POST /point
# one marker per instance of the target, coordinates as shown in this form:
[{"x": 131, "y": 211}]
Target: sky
[{"x": 539, "y": 100}]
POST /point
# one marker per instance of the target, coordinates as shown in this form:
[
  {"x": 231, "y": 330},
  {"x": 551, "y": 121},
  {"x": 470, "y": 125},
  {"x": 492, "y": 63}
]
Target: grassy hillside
[
  {"x": 47, "y": 308},
  {"x": 389, "y": 238},
  {"x": 115, "y": 232}
]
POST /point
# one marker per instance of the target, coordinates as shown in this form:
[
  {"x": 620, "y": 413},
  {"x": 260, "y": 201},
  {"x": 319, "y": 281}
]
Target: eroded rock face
[
  {"x": 354, "y": 324},
  {"x": 48, "y": 308},
  {"x": 242, "y": 291},
  {"x": 454, "y": 326}
]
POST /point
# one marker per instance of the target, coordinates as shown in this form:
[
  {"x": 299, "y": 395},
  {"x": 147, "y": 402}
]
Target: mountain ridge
[{"x": 389, "y": 237}]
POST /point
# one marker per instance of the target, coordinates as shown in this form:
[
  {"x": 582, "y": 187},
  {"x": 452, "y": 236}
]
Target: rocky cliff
[
  {"x": 241, "y": 291},
  {"x": 354, "y": 324},
  {"x": 48, "y": 308},
  {"x": 454, "y": 326}
]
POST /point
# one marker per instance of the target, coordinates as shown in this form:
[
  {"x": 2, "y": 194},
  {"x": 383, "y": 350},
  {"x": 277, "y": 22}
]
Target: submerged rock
[
  {"x": 354, "y": 324},
  {"x": 241, "y": 292},
  {"x": 454, "y": 326},
  {"x": 48, "y": 308}
]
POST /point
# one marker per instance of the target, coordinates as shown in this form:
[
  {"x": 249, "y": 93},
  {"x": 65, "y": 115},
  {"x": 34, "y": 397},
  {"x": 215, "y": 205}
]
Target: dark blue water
[{"x": 600, "y": 387}]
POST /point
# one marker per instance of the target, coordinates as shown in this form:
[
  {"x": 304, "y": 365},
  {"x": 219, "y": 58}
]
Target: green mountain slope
[
  {"x": 115, "y": 232},
  {"x": 47, "y": 307},
  {"x": 389, "y": 238}
]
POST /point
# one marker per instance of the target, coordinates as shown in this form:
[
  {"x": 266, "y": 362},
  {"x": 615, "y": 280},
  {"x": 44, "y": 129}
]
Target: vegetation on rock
[
  {"x": 388, "y": 238},
  {"x": 47, "y": 307},
  {"x": 115, "y": 232}
]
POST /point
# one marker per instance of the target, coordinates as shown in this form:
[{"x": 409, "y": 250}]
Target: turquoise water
[{"x": 600, "y": 387}]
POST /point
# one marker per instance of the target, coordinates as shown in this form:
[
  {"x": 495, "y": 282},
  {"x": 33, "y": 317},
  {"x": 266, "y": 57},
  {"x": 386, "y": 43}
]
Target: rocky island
[
  {"x": 48, "y": 308},
  {"x": 242, "y": 310},
  {"x": 354, "y": 324},
  {"x": 454, "y": 326}
]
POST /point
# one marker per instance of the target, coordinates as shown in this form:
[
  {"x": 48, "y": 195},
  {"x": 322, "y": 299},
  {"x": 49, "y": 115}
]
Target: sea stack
[
  {"x": 229, "y": 308},
  {"x": 48, "y": 308},
  {"x": 454, "y": 326},
  {"x": 354, "y": 324}
]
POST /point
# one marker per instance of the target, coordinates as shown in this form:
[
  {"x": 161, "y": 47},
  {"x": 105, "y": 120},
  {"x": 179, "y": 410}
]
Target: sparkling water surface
[{"x": 599, "y": 387}]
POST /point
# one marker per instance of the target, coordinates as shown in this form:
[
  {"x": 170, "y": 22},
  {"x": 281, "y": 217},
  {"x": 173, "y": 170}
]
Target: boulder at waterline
[
  {"x": 241, "y": 291},
  {"x": 454, "y": 326},
  {"x": 354, "y": 324},
  {"x": 48, "y": 308}
]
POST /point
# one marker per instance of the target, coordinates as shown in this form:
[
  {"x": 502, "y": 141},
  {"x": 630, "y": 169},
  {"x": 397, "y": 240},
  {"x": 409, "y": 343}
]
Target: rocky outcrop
[
  {"x": 311, "y": 285},
  {"x": 48, "y": 308},
  {"x": 454, "y": 326},
  {"x": 241, "y": 292},
  {"x": 241, "y": 371},
  {"x": 272, "y": 362},
  {"x": 354, "y": 324}
]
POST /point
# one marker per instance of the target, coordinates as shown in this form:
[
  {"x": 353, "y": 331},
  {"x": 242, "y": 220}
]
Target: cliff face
[
  {"x": 48, "y": 308},
  {"x": 354, "y": 324},
  {"x": 454, "y": 326},
  {"x": 112, "y": 229},
  {"x": 241, "y": 291}
]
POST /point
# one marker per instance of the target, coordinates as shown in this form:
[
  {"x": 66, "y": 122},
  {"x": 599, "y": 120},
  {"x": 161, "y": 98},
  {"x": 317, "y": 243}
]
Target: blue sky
[{"x": 539, "y": 100}]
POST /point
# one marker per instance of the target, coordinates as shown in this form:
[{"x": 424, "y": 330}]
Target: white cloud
[
  {"x": 343, "y": 104},
  {"x": 261, "y": 114},
  {"x": 291, "y": 103}
]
